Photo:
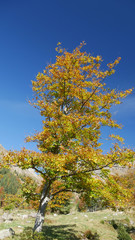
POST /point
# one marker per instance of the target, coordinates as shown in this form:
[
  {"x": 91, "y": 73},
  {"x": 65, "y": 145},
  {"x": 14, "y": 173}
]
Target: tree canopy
[{"x": 72, "y": 96}]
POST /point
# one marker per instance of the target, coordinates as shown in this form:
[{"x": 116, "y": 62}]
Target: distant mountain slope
[
  {"x": 26, "y": 172},
  {"x": 2, "y": 149}
]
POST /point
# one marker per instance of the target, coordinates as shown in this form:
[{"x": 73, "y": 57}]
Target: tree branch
[
  {"x": 89, "y": 170},
  {"x": 91, "y": 95},
  {"x": 65, "y": 190}
]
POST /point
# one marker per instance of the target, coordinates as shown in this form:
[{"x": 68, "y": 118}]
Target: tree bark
[{"x": 42, "y": 208}]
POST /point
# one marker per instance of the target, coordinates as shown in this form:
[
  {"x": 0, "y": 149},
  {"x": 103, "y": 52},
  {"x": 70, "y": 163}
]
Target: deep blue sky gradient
[{"x": 29, "y": 33}]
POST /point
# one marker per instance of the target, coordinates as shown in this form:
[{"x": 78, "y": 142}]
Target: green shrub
[
  {"x": 114, "y": 224},
  {"x": 65, "y": 209},
  {"x": 9, "y": 207},
  {"x": 9, "y": 181},
  {"x": 27, "y": 234},
  {"x": 102, "y": 221},
  {"x": 4, "y": 171},
  {"x": 89, "y": 235},
  {"x": 123, "y": 228},
  {"x": 90, "y": 204},
  {"x": 122, "y": 234}
]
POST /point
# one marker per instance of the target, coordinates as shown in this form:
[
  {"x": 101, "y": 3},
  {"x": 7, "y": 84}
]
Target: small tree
[{"x": 72, "y": 97}]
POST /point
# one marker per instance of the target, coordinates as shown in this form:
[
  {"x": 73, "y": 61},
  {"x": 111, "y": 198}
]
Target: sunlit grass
[{"x": 72, "y": 226}]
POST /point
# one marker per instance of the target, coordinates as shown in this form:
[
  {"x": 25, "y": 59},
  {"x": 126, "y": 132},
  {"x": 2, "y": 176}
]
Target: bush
[
  {"x": 114, "y": 224},
  {"x": 9, "y": 207},
  {"x": 89, "y": 235},
  {"x": 81, "y": 205},
  {"x": 90, "y": 204},
  {"x": 123, "y": 228},
  {"x": 122, "y": 234},
  {"x": 9, "y": 181},
  {"x": 65, "y": 209},
  {"x": 27, "y": 234},
  {"x": 59, "y": 206}
]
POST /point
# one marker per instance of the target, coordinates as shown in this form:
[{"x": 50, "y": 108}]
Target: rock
[
  {"x": 24, "y": 216},
  {"x": 4, "y": 216},
  {"x": 12, "y": 231},
  {"x": 131, "y": 222},
  {"x": 115, "y": 214},
  {"x": 7, "y": 217},
  {"x": 1, "y": 220},
  {"x": 33, "y": 214},
  {"x": 8, "y": 221},
  {"x": 6, "y": 233}
]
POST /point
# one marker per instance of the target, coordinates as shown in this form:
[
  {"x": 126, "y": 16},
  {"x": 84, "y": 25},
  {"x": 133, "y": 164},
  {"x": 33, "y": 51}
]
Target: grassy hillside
[{"x": 72, "y": 226}]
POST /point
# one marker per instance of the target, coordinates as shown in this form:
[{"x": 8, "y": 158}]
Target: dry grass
[
  {"x": 96, "y": 221},
  {"x": 72, "y": 226}
]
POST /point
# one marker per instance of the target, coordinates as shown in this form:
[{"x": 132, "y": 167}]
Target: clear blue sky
[{"x": 29, "y": 33}]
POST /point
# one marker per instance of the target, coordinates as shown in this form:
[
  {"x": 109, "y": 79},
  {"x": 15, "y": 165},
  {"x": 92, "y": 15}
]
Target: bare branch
[{"x": 91, "y": 95}]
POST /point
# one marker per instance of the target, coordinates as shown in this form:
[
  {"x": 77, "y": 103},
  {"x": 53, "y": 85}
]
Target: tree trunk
[{"x": 42, "y": 208}]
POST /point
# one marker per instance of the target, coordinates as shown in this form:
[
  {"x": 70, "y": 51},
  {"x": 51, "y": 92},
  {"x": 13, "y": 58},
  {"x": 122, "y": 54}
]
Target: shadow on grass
[{"x": 60, "y": 232}]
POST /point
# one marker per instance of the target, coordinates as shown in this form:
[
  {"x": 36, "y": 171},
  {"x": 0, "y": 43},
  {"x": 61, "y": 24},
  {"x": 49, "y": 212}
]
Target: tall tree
[{"x": 72, "y": 97}]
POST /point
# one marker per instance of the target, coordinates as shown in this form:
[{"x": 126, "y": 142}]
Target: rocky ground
[{"x": 15, "y": 221}]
